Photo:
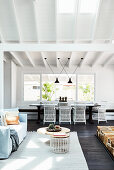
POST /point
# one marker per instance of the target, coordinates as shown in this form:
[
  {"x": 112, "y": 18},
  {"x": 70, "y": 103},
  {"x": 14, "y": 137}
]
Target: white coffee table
[{"x": 58, "y": 143}]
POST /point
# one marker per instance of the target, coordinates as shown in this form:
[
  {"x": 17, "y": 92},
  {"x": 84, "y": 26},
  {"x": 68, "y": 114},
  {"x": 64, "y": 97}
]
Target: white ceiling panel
[
  {"x": 26, "y": 20},
  {"x": 90, "y": 57},
  {"x": 23, "y": 58},
  {"x": 8, "y": 27},
  {"x": 64, "y": 57},
  {"x": 85, "y": 26},
  {"x": 37, "y": 58},
  {"x": 76, "y": 57},
  {"x": 105, "y": 25},
  {"x": 65, "y": 27},
  {"x": 51, "y": 58},
  {"x": 111, "y": 61},
  {"x": 105, "y": 56},
  {"x": 46, "y": 17},
  {"x": 40, "y": 20}
]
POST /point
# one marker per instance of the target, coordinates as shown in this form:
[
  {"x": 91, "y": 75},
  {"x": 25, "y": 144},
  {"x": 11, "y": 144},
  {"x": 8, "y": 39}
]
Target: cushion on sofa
[
  {"x": 10, "y": 113},
  {"x": 12, "y": 120}
]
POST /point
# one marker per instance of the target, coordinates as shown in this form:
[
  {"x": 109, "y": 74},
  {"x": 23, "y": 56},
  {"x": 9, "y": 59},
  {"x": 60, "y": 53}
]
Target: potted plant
[{"x": 48, "y": 91}]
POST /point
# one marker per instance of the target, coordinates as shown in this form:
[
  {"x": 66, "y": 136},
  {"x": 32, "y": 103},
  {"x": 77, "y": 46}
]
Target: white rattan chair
[
  {"x": 102, "y": 114},
  {"x": 65, "y": 114},
  {"x": 99, "y": 112},
  {"x": 79, "y": 114},
  {"x": 49, "y": 113}
]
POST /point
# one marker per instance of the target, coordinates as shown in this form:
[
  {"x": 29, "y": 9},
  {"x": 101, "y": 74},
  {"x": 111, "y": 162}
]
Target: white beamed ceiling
[{"x": 37, "y": 21}]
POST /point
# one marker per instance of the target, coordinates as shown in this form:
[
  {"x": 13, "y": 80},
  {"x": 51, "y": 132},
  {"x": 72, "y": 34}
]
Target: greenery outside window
[
  {"x": 52, "y": 91},
  {"x": 85, "y": 87}
]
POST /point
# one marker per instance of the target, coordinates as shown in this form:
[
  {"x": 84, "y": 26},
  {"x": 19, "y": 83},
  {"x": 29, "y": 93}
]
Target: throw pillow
[
  {"x": 11, "y": 113},
  {"x": 12, "y": 120}
]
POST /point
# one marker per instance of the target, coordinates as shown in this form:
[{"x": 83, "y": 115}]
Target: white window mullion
[
  {"x": 76, "y": 87},
  {"x": 40, "y": 87}
]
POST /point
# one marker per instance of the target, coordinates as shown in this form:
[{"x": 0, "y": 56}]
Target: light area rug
[{"x": 34, "y": 154}]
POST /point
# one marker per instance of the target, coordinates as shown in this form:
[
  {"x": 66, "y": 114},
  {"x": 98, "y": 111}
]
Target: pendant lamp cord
[
  {"x": 77, "y": 66},
  {"x": 49, "y": 65},
  {"x": 63, "y": 67}
]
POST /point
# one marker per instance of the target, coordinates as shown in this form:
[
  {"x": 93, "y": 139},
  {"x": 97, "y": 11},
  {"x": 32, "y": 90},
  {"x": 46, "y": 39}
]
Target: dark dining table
[{"x": 89, "y": 105}]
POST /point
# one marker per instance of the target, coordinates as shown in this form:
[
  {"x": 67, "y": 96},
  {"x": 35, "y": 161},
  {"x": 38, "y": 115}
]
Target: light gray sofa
[{"x": 5, "y": 140}]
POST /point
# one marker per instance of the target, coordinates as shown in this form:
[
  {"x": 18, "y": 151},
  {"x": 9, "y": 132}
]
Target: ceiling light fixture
[
  {"x": 69, "y": 81},
  {"x": 56, "y": 81}
]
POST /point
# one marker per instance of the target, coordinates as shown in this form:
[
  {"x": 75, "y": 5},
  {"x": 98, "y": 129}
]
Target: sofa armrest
[
  {"x": 23, "y": 117},
  {"x": 5, "y": 142}
]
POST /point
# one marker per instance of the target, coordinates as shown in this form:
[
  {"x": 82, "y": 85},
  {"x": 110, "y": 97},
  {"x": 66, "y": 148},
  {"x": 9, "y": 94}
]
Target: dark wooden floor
[{"x": 96, "y": 156}]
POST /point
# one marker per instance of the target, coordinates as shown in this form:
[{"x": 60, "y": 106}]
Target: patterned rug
[{"x": 34, "y": 154}]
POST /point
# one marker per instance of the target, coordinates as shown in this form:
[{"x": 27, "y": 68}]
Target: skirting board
[{"x": 112, "y": 157}]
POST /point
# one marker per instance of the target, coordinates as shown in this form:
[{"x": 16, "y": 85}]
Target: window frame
[
  {"x": 94, "y": 85},
  {"x": 25, "y": 101},
  {"x": 59, "y": 75},
  {"x": 40, "y": 100}
]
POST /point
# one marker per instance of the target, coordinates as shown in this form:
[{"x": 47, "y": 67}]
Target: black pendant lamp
[
  {"x": 56, "y": 81},
  {"x": 69, "y": 81}
]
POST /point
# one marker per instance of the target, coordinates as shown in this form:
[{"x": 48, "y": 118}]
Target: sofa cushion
[
  {"x": 20, "y": 129},
  {"x": 8, "y": 112},
  {"x": 11, "y": 113},
  {"x": 12, "y": 120}
]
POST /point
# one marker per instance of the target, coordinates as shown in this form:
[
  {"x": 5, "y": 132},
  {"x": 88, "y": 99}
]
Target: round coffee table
[
  {"x": 44, "y": 131},
  {"x": 58, "y": 144}
]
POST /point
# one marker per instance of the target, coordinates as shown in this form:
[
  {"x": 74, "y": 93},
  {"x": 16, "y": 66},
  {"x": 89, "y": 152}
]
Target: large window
[
  {"x": 85, "y": 87},
  {"x": 31, "y": 87},
  {"x": 52, "y": 91}
]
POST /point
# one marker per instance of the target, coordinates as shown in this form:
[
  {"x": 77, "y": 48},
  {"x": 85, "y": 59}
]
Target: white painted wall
[
  {"x": 105, "y": 84},
  {"x": 10, "y": 84},
  {"x": 7, "y": 83},
  {"x": 13, "y": 84}
]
